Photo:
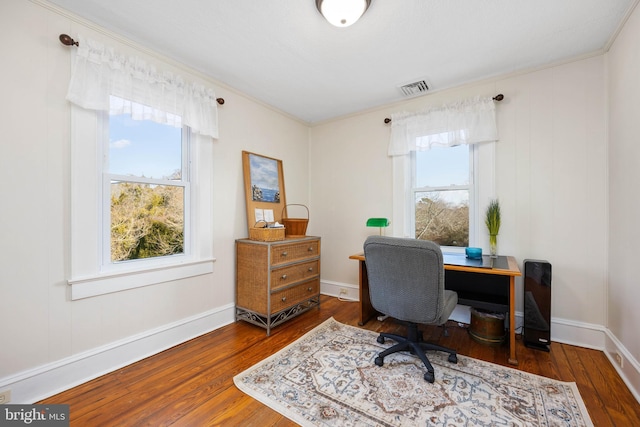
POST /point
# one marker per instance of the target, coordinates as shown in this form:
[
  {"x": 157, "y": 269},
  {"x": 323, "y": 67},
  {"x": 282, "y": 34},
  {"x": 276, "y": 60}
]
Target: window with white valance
[
  {"x": 467, "y": 122},
  {"x": 141, "y": 189},
  {"x": 99, "y": 72},
  {"x": 442, "y": 170}
]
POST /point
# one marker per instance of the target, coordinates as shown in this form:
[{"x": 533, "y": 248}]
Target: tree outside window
[
  {"x": 442, "y": 193},
  {"x": 147, "y": 186}
]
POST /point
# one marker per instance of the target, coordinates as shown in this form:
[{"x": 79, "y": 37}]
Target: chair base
[{"x": 414, "y": 343}]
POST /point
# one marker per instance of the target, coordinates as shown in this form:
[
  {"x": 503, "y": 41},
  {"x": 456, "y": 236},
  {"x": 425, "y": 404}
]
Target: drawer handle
[
  {"x": 284, "y": 299},
  {"x": 310, "y": 268},
  {"x": 284, "y": 276},
  {"x": 309, "y": 289},
  {"x": 284, "y": 253},
  {"x": 310, "y": 248}
]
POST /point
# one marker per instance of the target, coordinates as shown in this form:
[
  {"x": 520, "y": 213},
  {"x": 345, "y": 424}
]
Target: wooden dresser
[{"x": 276, "y": 281}]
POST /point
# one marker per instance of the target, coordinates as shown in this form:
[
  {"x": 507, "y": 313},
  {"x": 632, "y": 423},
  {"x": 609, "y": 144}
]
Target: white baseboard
[
  {"x": 580, "y": 334},
  {"x": 340, "y": 290},
  {"x": 630, "y": 369},
  {"x": 38, "y": 383}
]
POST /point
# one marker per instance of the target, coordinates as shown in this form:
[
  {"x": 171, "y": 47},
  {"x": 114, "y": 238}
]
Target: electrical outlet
[
  {"x": 620, "y": 360},
  {"x": 5, "y": 397}
]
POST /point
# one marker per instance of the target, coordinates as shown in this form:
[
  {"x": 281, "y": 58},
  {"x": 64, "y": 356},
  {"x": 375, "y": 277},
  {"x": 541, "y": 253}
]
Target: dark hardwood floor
[{"x": 192, "y": 384}]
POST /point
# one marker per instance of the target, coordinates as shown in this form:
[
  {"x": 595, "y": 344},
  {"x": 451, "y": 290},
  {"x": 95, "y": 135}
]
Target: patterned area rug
[{"x": 328, "y": 378}]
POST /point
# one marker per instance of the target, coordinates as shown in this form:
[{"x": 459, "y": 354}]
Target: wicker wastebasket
[
  {"x": 295, "y": 227},
  {"x": 487, "y": 327}
]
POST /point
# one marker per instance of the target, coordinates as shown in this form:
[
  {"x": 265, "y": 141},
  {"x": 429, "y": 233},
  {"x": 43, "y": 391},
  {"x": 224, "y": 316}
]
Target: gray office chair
[{"x": 406, "y": 282}]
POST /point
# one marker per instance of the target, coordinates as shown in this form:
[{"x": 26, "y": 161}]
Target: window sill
[
  {"x": 102, "y": 284},
  {"x": 453, "y": 249}
]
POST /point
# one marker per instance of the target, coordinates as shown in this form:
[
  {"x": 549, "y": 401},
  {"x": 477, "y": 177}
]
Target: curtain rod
[
  {"x": 498, "y": 97},
  {"x": 68, "y": 41}
]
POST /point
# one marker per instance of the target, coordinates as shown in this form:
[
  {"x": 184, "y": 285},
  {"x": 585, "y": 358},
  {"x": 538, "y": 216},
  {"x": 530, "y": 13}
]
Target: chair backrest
[{"x": 406, "y": 278}]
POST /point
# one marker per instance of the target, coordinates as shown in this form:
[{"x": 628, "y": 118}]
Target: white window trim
[
  {"x": 88, "y": 277},
  {"x": 115, "y": 282}
]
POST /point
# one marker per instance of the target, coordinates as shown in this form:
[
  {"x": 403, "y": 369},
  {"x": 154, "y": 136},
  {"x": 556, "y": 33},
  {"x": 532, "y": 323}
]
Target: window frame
[
  {"x": 472, "y": 187},
  {"x": 87, "y": 276},
  {"x": 105, "y": 214}
]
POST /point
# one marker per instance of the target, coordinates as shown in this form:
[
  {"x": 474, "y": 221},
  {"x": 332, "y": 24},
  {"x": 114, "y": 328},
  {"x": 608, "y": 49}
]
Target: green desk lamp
[{"x": 378, "y": 222}]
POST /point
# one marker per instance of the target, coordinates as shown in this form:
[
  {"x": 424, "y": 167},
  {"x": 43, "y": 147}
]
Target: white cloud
[{"x": 121, "y": 143}]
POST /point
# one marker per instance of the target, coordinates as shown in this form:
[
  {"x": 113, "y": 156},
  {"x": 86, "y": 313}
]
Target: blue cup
[{"x": 473, "y": 253}]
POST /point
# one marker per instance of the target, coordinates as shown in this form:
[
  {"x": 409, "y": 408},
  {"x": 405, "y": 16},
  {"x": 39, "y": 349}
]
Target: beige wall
[
  {"x": 624, "y": 196},
  {"x": 42, "y": 329},
  {"x": 550, "y": 176}
]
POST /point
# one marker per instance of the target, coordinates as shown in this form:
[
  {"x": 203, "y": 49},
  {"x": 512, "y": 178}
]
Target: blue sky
[
  {"x": 443, "y": 166},
  {"x": 153, "y": 150},
  {"x": 143, "y": 148}
]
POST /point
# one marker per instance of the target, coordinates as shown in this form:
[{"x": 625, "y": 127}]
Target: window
[
  {"x": 146, "y": 190},
  {"x": 124, "y": 170},
  {"x": 437, "y": 184},
  {"x": 442, "y": 195},
  {"x": 141, "y": 205}
]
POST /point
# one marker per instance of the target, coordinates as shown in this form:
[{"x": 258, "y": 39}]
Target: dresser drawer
[
  {"x": 276, "y": 280},
  {"x": 285, "y": 253},
  {"x": 294, "y": 273},
  {"x": 291, "y": 296}
]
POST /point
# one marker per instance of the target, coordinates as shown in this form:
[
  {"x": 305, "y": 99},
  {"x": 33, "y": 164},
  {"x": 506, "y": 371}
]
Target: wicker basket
[
  {"x": 295, "y": 227},
  {"x": 265, "y": 234}
]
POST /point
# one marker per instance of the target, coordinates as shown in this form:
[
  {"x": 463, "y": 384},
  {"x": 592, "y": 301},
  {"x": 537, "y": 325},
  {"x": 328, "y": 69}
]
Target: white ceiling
[{"x": 282, "y": 52}]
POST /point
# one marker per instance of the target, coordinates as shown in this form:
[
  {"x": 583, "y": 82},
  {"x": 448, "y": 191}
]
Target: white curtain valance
[
  {"x": 467, "y": 122},
  {"x": 99, "y": 72}
]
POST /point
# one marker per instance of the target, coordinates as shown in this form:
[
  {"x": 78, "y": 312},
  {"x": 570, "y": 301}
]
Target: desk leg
[
  {"x": 512, "y": 321},
  {"x": 366, "y": 309}
]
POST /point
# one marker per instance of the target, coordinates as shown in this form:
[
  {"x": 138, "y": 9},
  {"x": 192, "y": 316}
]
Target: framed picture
[{"x": 264, "y": 188}]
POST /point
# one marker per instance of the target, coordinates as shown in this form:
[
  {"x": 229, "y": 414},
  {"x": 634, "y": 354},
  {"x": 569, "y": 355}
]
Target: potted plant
[{"x": 492, "y": 220}]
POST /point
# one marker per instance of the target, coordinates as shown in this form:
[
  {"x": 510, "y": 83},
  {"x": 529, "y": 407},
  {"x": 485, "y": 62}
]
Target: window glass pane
[
  {"x": 442, "y": 166},
  {"x": 146, "y": 220},
  {"x": 144, "y": 148},
  {"x": 443, "y": 217}
]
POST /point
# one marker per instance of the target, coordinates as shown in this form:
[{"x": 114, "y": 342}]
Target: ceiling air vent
[{"x": 415, "y": 88}]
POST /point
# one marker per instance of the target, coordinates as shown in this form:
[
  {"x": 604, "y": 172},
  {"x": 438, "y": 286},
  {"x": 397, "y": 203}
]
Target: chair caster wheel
[
  {"x": 429, "y": 377},
  {"x": 379, "y": 361},
  {"x": 381, "y": 339},
  {"x": 453, "y": 358}
]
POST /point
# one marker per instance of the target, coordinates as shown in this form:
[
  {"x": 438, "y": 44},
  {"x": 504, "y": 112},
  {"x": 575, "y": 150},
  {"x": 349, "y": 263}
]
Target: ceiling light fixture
[{"x": 342, "y": 13}]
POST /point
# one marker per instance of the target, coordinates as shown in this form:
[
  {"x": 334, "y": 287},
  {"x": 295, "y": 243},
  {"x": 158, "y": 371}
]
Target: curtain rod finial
[{"x": 67, "y": 40}]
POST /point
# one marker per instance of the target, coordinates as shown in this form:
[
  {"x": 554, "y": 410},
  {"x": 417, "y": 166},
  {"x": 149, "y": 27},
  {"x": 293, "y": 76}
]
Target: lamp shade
[
  {"x": 342, "y": 13},
  {"x": 377, "y": 222}
]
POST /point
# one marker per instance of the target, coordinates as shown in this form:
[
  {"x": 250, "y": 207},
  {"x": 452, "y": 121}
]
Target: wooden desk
[{"x": 495, "y": 290}]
